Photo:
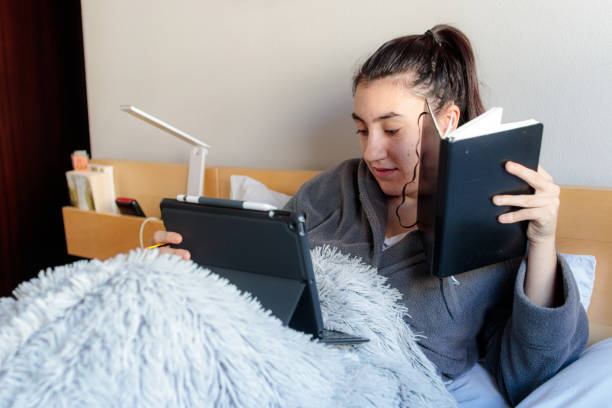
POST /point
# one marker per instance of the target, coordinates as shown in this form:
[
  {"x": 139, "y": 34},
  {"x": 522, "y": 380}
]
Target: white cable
[{"x": 142, "y": 228}]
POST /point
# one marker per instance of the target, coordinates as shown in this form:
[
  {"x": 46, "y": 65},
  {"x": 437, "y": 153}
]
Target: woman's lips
[{"x": 381, "y": 172}]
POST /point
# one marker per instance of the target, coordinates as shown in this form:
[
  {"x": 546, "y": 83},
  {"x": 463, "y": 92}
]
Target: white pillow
[
  {"x": 583, "y": 268},
  {"x": 245, "y": 188}
]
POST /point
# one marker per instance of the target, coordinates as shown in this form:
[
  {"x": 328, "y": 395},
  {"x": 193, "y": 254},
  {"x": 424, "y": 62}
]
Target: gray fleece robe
[{"x": 485, "y": 316}]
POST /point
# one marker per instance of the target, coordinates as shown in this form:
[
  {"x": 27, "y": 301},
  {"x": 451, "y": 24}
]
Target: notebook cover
[{"x": 457, "y": 219}]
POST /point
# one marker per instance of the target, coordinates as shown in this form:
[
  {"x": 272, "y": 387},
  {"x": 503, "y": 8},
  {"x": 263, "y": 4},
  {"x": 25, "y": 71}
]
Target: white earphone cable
[{"x": 142, "y": 228}]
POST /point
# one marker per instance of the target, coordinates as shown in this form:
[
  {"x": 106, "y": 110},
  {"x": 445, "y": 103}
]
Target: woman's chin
[{"x": 395, "y": 189}]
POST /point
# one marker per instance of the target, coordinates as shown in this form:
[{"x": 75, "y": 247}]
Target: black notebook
[{"x": 459, "y": 175}]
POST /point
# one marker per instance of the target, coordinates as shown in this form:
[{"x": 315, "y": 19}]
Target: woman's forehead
[{"x": 377, "y": 98}]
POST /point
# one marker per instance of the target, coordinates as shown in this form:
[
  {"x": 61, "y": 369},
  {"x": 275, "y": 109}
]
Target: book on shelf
[
  {"x": 458, "y": 177},
  {"x": 107, "y": 194},
  {"x": 92, "y": 190}
]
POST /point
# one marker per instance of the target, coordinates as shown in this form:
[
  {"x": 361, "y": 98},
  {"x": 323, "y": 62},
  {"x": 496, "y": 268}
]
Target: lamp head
[{"x": 160, "y": 124}]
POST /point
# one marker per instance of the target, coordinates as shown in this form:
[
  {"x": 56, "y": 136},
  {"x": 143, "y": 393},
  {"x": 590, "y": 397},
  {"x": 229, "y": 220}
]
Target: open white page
[
  {"x": 480, "y": 125},
  {"x": 487, "y": 123}
]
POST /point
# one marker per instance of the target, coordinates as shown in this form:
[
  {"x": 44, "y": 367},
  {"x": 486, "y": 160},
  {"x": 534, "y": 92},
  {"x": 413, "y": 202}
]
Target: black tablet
[{"x": 265, "y": 253}]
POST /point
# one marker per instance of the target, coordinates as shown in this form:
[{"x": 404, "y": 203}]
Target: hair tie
[{"x": 434, "y": 36}]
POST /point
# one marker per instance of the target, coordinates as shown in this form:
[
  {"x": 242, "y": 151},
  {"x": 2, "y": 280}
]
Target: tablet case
[{"x": 239, "y": 244}]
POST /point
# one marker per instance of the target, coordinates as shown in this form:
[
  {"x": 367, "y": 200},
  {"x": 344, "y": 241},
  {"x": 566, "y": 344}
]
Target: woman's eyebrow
[{"x": 388, "y": 115}]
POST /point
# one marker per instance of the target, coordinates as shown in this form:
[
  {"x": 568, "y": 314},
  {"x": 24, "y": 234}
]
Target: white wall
[{"x": 268, "y": 83}]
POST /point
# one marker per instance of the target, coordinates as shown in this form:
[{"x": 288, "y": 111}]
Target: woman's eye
[
  {"x": 391, "y": 131},
  {"x": 362, "y": 132}
]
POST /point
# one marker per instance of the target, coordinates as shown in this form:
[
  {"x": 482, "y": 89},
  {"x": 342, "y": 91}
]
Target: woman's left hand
[{"x": 541, "y": 208}]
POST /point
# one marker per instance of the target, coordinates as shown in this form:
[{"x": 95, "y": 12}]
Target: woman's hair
[{"x": 438, "y": 65}]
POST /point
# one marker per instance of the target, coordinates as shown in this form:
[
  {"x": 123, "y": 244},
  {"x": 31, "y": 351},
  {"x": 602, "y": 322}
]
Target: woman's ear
[{"x": 449, "y": 118}]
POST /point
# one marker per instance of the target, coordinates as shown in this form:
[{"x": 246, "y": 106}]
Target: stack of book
[{"x": 91, "y": 186}]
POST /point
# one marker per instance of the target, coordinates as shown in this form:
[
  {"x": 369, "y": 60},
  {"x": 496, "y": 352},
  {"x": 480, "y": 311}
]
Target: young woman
[{"x": 522, "y": 317}]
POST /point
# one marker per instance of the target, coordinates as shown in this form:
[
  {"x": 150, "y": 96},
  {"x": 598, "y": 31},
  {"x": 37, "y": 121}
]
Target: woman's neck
[{"x": 407, "y": 215}]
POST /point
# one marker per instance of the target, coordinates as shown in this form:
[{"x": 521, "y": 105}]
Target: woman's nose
[{"x": 374, "y": 147}]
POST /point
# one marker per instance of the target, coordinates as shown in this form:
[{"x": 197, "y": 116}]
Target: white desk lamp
[{"x": 197, "y": 158}]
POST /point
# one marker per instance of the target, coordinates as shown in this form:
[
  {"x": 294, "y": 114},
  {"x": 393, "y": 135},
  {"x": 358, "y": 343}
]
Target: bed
[{"x": 585, "y": 219}]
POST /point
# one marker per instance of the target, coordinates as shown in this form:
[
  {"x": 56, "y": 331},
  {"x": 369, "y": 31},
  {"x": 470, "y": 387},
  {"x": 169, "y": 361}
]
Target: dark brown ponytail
[{"x": 438, "y": 65}]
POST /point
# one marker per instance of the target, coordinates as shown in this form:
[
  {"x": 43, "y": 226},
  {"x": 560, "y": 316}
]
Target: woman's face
[{"x": 387, "y": 116}]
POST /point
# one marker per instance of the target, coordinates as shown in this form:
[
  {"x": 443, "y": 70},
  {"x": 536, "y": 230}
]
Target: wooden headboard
[
  {"x": 585, "y": 227},
  {"x": 585, "y": 219}
]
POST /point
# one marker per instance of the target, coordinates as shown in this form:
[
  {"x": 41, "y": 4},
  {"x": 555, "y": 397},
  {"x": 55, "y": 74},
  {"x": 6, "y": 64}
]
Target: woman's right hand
[{"x": 162, "y": 237}]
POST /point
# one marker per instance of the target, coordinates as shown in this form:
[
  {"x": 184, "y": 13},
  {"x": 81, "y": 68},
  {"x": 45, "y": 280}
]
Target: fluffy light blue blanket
[{"x": 153, "y": 330}]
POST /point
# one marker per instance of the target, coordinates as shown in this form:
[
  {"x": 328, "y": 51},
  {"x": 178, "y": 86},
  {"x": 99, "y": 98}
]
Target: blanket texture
[{"x": 153, "y": 330}]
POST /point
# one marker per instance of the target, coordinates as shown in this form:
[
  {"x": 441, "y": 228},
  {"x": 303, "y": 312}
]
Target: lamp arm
[
  {"x": 197, "y": 164},
  {"x": 160, "y": 124},
  {"x": 197, "y": 156}
]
